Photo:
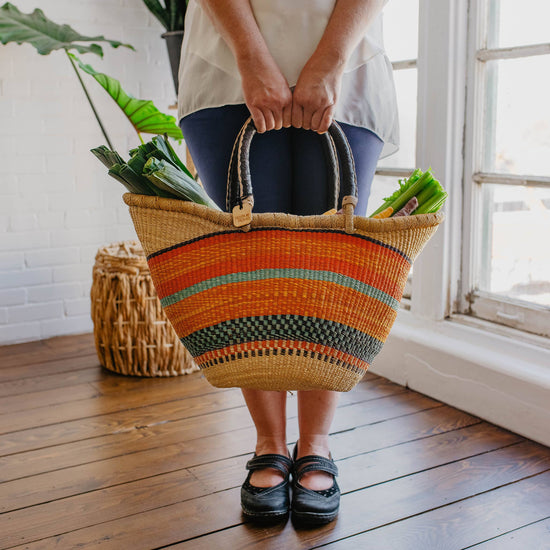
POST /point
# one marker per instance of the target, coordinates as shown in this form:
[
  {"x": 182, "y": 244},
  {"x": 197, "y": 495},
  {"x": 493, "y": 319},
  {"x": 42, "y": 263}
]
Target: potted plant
[{"x": 171, "y": 14}]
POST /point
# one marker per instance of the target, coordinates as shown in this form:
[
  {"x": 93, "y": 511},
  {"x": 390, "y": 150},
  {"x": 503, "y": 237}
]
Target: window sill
[{"x": 501, "y": 375}]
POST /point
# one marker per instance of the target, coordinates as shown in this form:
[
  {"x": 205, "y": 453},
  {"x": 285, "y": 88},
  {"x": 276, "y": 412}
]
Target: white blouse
[{"x": 209, "y": 77}]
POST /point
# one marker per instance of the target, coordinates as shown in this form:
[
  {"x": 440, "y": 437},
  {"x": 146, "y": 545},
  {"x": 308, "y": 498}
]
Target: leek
[
  {"x": 169, "y": 178},
  {"x": 154, "y": 169}
]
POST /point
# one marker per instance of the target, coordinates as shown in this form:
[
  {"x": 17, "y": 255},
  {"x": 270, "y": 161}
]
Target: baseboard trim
[{"x": 503, "y": 380}]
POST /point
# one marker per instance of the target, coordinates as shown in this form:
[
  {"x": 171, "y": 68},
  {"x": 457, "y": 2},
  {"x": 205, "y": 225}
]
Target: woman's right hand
[{"x": 267, "y": 95}]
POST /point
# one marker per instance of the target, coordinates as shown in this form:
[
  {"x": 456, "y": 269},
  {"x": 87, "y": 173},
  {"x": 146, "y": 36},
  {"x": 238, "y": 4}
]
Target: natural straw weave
[
  {"x": 132, "y": 334},
  {"x": 290, "y": 303}
]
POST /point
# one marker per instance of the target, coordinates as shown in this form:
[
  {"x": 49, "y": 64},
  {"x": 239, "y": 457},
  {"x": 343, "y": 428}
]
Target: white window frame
[
  {"x": 490, "y": 370},
  {"x": 478, "y": 303}
]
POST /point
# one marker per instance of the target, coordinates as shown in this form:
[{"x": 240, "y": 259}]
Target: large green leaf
[
  {"x": 45, "y": 35},
  {"x": 143, "y": 114}
]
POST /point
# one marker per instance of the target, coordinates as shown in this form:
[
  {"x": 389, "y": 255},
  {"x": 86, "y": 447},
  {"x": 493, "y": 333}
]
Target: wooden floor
[{"x": 89, "y": 458}]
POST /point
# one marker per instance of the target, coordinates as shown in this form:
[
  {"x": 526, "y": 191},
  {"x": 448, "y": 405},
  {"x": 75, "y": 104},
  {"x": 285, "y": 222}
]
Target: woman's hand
[
  {"x": 314, "y": 98},
  {"x": 267, "y": 95}
]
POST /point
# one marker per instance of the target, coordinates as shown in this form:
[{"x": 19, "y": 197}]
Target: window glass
[
  {"x": 514, "y": 253},
  {"x": 382, "y": 187},
  {"x": 401, "y": 29},
  {"x": 518, "y": 22},
  {"x": 517, "y": 116},
  {"x": 406, "y": 89}
]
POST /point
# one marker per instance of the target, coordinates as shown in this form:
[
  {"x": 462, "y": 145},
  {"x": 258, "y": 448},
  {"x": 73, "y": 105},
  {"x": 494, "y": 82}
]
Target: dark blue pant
[{"x": 287, "y": 166}]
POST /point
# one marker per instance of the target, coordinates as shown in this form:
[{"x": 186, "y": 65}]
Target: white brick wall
[{"x": 57, "y": 204}]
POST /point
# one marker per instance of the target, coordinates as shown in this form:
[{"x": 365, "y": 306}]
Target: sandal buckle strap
[
  {"x": 278, "y": 462},
  {"x": 314, "y": 463}
]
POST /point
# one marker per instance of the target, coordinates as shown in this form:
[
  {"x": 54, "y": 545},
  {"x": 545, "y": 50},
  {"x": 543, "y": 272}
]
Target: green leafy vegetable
[
  {"x": 171, "y": 179},
  {"x": 422, "y": 185},
  {"x": 154, "y": 169}
]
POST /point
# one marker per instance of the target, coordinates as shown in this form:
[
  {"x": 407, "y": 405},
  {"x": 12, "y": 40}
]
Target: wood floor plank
[
  {"x": 98, "y": 474},
  {"x": 52, "y": 381},
  {"x": 58, "y": 347},
  {"x": 47, "y": 398},
  {"x": 69, "y": 364},
  {"x": 464, "y": 523},
  {"x": 535, "y": 537},
  {"x": 108, "y": 404},
  {"x": 103, "y": 424},
  {"x": 99, "y": 506},
  {"x": 64, "y": 388},
  {"x": 364, "y": 509}
]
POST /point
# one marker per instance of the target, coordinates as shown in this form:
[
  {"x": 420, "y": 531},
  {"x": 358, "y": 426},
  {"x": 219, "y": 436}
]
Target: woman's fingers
[
  {"x": 326, "y": 120},
  {"x": 287, "y": 116},
  {"x": 297, "y": 115},
  {"x": 258, "y": 118},
  {"x": 269, "y": 118},
  {"x": 316, "y": 119}
]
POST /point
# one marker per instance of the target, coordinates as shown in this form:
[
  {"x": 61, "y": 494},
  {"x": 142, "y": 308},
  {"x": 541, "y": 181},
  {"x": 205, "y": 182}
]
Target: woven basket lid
[{"x": 122, "y": 257}]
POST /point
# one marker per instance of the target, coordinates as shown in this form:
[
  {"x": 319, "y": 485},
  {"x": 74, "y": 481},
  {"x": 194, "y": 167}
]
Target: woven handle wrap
[{"x": 239, "y": 184}]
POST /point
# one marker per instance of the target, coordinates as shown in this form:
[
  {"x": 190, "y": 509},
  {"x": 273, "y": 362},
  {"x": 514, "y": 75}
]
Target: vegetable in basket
[
  {"x": 154, "y": 169},
  {"x": 427, "y": 192}
]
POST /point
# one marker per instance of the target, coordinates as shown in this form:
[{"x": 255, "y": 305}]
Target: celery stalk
[
  {"x": 403, "y": 186},
  {"x": 411, "y": 191},
  {"x": 428, "y": 191},
  {"x": 433, "y": 204}
]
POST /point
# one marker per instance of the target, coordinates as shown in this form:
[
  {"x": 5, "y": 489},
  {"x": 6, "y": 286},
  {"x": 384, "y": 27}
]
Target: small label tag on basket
[
  {"x": 242, "y": 216},
  {"x": 330, "y": 212}
]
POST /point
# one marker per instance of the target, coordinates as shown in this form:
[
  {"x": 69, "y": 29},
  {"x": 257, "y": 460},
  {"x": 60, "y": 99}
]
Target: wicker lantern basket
[{"x": 132, "y": 334}]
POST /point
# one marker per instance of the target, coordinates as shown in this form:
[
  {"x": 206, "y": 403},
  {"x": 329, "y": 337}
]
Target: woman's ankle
[
  {"x": 271, "y": 445},
  {"x": 319, "y": 446},
  {"x": 313, "y": 445}
]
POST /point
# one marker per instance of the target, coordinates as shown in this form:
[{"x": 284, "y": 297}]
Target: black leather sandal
[
  {"x": 267, "y": 503},
  {"x": 309, "y": 506}
]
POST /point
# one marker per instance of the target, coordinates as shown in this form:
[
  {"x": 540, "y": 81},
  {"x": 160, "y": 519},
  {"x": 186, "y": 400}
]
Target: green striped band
[{"x": 261, "y": 274}]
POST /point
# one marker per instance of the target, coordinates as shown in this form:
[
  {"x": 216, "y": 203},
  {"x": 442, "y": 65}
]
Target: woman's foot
[
  {"x": 268, "y": 477},
  {"x": 270, "y": 502},
  {"x": 314, "y": 480},
  {"x": 315, "y": 493}
]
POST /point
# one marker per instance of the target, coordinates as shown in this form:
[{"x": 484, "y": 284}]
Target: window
[{"x": 506, "y": 254}]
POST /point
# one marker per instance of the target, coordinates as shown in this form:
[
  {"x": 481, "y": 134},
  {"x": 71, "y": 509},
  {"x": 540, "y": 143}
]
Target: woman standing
[{"x": 294, "y": 66}]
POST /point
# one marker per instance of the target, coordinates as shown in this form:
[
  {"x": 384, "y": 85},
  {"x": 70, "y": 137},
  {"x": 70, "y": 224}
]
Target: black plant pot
[{"x": 173, "y": 43}]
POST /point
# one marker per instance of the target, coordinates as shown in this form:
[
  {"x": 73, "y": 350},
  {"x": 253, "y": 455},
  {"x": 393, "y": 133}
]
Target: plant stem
[
  {"x": 90, "y": 102},
  {"x": 140, "y": 138}
]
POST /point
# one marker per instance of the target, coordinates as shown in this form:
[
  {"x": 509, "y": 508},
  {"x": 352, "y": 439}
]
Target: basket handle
[
  {"x": 234, "y": 192},
  {"x": 240, "y": 200}
]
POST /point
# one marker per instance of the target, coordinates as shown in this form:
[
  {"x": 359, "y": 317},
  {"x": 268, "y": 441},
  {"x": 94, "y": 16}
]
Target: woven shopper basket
[{"x": 276, "y": 301}]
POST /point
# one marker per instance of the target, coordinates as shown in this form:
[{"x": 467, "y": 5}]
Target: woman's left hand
[{"x": 314, "y": 97}]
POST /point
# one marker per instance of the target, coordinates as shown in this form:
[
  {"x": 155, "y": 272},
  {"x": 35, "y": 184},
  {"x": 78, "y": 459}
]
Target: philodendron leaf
[
  {"x": 45, "y": 35},
  {"x": 143, "y": 114}
]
